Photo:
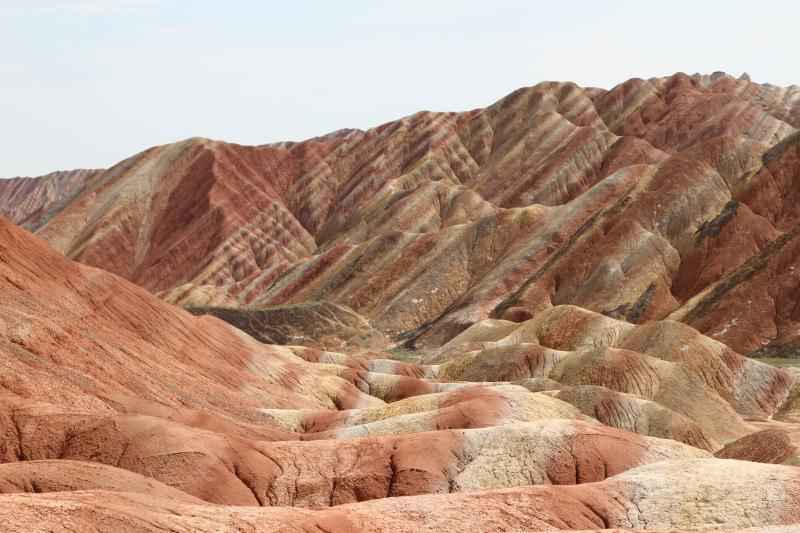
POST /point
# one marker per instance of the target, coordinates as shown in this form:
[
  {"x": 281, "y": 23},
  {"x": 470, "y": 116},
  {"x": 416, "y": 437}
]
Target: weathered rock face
[
  {"x": 80, "y": 336},
  {"x": 586, "y": 270}
]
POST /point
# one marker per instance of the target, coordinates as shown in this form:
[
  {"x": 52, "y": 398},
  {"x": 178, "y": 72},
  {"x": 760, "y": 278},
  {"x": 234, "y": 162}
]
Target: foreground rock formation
[
  {"x": 122, "y": 411},
  {"x": 530, "y": 317}
]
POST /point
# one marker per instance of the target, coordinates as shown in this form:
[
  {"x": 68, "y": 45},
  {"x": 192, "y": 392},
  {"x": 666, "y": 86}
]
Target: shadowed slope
[{"x": 319, "y": 324}]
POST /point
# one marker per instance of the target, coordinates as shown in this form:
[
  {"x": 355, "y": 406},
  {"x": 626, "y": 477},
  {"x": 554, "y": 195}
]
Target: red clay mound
[{"x": 39, "y": 477}]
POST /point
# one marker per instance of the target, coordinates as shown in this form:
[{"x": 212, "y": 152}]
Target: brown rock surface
[
  {"x": 180, "y": 438},
  {"x": 82, "y": 337}
]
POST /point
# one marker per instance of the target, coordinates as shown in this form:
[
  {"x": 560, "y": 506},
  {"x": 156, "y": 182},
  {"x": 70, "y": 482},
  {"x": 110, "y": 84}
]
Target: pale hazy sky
[{"x": 86, "y": 83}]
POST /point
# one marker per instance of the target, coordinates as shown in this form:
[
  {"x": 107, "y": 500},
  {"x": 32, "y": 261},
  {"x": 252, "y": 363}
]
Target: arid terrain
[{"x": 558, "y": 312}]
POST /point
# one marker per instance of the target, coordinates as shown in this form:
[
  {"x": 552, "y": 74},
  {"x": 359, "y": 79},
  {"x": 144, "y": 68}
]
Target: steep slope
[{"x": 84, "y": 338}]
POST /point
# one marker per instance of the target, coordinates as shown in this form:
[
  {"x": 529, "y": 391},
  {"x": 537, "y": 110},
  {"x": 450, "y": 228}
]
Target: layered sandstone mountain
[
  {"x": 659, "y": 198},
  {"x": 582, "y": 272}
]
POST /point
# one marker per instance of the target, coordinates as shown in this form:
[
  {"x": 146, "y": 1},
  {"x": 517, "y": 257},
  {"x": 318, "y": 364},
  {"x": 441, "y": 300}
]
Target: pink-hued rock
[{"x": 30, "y": 202}]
